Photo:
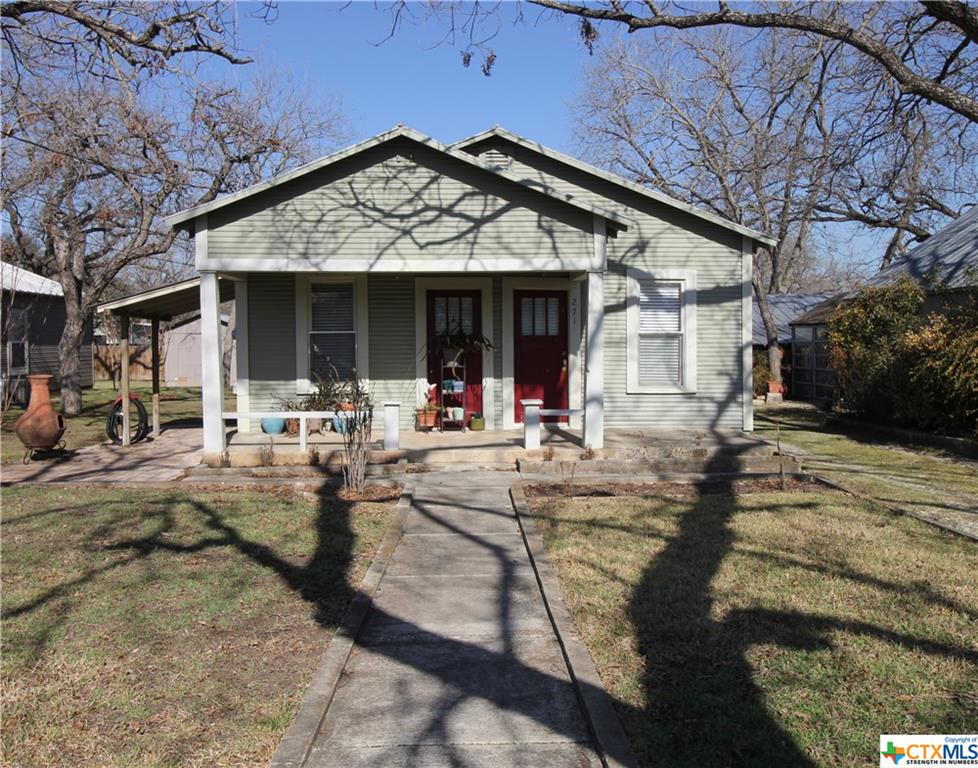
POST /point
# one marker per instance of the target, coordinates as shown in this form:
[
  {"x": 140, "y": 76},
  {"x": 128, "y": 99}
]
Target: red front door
[
  {"x": 540, "y": 349},
  {"x": 452, "y": 312}
]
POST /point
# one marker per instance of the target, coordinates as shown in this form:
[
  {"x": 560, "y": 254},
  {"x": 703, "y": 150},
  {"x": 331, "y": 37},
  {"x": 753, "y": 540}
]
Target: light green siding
[
  {"x": 400, "y": 203},
  {"x": 271, "y": 340},
  {"x": 662, "y": 237},
  {"x": 393, "y": 348}
]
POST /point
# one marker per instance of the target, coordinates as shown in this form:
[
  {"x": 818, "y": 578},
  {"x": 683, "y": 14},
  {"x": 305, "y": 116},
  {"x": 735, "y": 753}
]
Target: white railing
[
  {"x": 532, "y": 412},
  {"x": 392, "y": 436}
]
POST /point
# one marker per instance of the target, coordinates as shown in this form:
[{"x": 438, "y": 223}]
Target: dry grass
[
  {"x": 768, "y": 629},
  {"x": 143, "y": 628}
]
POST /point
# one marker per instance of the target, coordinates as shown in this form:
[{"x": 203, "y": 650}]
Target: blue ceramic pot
[
  {"x": 273, "y": 426},
  {"x": 340, "y": 425}
]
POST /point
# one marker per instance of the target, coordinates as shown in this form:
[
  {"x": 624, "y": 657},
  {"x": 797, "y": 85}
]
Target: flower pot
[
  {"x": 273, "y": 425},
  {"x": 292, "y": 426},
  {"x": 477, "y": 423},
  {"x": 314, "y": 425},
  {"x": 40, "y": 427},
  {"x": 775, "y": 387},
  {"x": 341, "y": 425},
  {"x": 344, "y": 407},
  {"x": 427, "y": 419}
]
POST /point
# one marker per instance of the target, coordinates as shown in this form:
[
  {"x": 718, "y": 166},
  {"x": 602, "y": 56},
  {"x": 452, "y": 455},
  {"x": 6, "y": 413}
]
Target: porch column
[
  {"x": 155, "y": 365},
  {"x": 594, "y": 363},
  {"x": 241, "y": 384},
  {"x": 211, "y": 368},
  {"x": 124, "y": 375}
]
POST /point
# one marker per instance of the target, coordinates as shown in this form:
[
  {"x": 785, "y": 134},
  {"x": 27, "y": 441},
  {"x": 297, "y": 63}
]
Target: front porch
[{"x": 625, "y": 449}]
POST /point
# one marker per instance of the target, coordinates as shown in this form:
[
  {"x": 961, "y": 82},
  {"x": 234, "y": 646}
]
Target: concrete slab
[
  {"x": 473, "y": 517},
  {"x": 454, "y": 755},
  {"x": 448, "y": 692},
  {"x": 454, "y": 554},
  {"x": 415, "y": 607}
]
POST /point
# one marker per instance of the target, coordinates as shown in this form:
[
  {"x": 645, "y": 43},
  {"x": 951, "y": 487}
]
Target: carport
[{"x": 156, "y": 305}]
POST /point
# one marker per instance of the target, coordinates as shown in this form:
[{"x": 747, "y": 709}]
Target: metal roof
[
  {"x": 948, "y": 258},
  {"x": 661, "y": 197},
  {"x": 185, "y": 218},
  {"x": 19, "y": 280},
  {"x": 165, "y": 302},
  {"x": 820, "y": 313},
  {"x": 785, "y": 307}
]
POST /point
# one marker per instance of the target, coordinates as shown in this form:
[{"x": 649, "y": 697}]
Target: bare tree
[
  {"x": 89, "y": 173},
  {"x": 113, "y": 39},
  {"x": 767, "y": 131},
  {"x": 928, "y": 48}
]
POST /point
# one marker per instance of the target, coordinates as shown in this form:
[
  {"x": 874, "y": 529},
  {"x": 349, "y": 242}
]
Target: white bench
[
  {"x": 532, "y": 413},
  {"x": 392, "y": 415}
]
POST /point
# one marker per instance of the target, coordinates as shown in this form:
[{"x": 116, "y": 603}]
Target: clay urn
[{"x": 40, "y": 427}]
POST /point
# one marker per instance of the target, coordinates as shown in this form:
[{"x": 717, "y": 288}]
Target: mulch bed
[
  {"x": 674, "y": 490},
  {"x": 376, "y": 492}
]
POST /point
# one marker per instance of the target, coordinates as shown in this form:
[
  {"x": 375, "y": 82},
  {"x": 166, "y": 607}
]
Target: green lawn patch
[
  {"x": 179, "y": 406},
  {"x": 146, "y": 628},
  {"x": 749, "y": 626}
]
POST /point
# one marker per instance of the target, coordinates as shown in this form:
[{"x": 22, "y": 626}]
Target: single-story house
[
  {"x": 33, "y": 319},
  {"x": 602, "y": 298}
]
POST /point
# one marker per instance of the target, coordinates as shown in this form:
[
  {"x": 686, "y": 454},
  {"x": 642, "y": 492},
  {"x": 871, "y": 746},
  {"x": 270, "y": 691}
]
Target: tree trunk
[
  {"x": 69, "y": 356},
  {"x": 774, "y": 351}
]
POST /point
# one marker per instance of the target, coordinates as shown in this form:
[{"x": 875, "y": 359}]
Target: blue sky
[
  {"x": 340, "y": 50},
  {"x": 412, "y": 79}
]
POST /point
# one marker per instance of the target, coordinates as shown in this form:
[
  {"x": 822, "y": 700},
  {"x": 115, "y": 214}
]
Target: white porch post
[
  {"x": 241, "y": 384},
  {"x": 594, "y": 361},
  {"x": 211, "y": 368}
]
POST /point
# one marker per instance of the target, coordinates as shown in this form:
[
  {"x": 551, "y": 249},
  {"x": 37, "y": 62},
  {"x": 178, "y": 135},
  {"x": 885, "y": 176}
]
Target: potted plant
[
  {"x": 477, "y": 423},
  {"x": 456, "y": 344},
  {"x": 291, "y": 423},
  {"x": 426, "y": 412}
]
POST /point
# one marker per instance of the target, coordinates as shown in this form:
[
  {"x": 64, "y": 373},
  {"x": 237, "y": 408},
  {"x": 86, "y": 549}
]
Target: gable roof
[
  {"x": 184, "y": 219},
  {"x": 785, "y": 307},
  {"x": 20, "y": 280},
  {"x": 948, "y": 257},
  {"x": 580, "y": 165}
]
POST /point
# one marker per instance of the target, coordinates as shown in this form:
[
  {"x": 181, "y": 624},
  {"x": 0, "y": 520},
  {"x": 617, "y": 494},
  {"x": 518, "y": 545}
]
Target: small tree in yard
[{"x": 356, "y": 437}]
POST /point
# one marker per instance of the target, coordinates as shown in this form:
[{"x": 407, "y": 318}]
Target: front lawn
[
  {"x": 747, "y": 626},
  {"x": 150, "y": 628}
]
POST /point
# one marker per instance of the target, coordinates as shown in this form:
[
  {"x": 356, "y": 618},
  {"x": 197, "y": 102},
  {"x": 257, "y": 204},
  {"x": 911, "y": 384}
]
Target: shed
[
  {"x": 811, "y": 377},
  {"x": 33, "y": 312},
  {"x": 181, "y": 352}
]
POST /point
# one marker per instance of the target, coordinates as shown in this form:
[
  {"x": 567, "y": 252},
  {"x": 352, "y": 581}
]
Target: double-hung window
[
  {"x": 661, "y": 329},
  {"x": 332, "y": 330},
  {"x": 17, "y": 345}
]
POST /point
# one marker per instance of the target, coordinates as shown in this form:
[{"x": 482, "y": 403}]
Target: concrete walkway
[
  {"x": 162, "y": 460},
  {"x": 457, "y": 663}
]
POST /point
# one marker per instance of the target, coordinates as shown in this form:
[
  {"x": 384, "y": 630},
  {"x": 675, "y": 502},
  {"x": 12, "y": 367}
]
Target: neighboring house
[
  {"x": 182, "y": 352},
  {"x": 33, "y": 318},
  {"x": 946, "y": 265},
  {"x": 600, "y": 296},
  {"x": 785, "y": 307}
]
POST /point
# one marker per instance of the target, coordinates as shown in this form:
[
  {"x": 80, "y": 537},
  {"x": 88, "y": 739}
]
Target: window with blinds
[
  {"x": 660, "y": 333},
  {"x": 332, "y": 331}
]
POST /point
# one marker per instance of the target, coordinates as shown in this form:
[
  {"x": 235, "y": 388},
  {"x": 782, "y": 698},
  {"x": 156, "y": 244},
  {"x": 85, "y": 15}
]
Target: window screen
[
  {"x": 332, "y": 335},
  {"x": 660, "y": 333}
]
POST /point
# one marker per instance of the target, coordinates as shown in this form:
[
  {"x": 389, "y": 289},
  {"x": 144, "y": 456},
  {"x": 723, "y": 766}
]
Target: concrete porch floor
[{"x": 494, "y": 447}]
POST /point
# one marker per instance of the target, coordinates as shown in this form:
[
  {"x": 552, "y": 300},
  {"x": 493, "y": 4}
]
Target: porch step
[{"x": 718, "y": 463}]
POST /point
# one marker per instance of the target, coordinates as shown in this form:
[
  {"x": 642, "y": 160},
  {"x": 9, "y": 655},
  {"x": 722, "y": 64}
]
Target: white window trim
[
  {"x": 303, "y": 315},
  {"x": 687, "y": 278}
]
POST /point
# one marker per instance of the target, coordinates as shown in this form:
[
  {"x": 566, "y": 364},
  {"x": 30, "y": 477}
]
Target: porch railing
[
  {"x": 532, "y": 413},
  {"x": 392, "y": 429}
]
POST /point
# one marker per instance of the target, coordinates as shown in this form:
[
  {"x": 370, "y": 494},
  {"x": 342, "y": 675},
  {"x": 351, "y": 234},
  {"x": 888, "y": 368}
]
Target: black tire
[{"x": 139, "y": 425}]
